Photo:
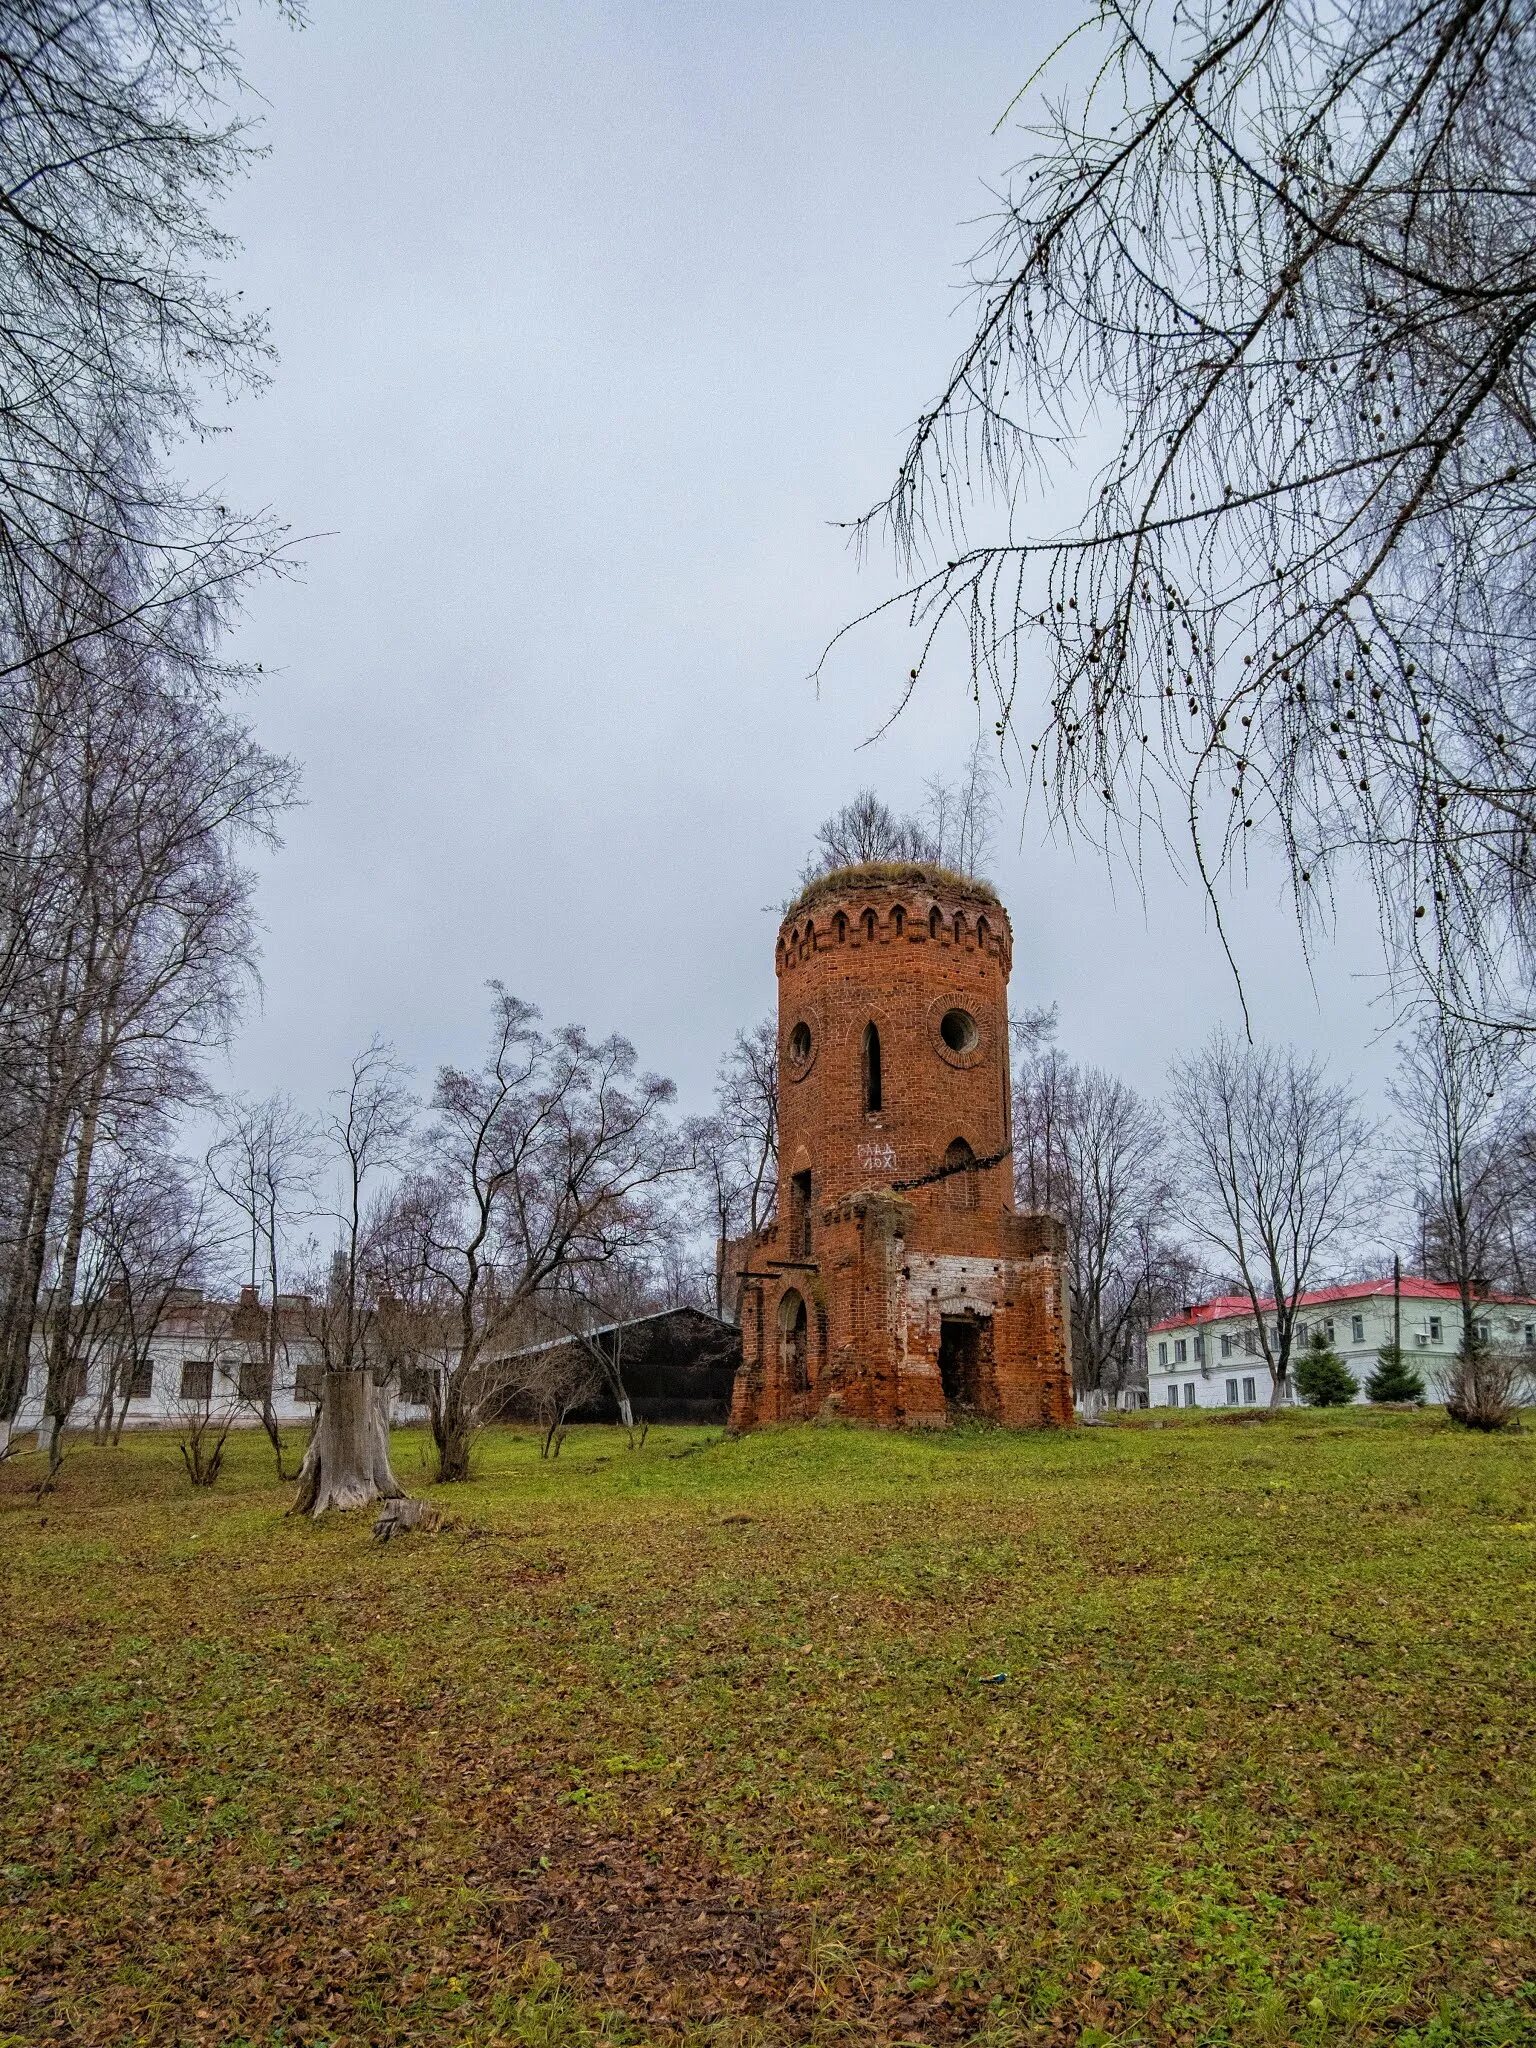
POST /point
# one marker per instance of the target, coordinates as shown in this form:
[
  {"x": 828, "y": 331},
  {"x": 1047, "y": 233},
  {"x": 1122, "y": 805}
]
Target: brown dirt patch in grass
[
  {"x": 658, "y": 1930},
  {"x": 666, "y": 1938}
]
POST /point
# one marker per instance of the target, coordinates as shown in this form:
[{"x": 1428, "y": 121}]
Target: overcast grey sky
[{"x": 592, "y": 319}]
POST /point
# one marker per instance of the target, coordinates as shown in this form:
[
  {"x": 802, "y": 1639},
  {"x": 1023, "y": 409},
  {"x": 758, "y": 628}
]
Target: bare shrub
[
  {"x": 207, "y": 1415},
  {"x": 1485, "y": 1389},
  {"x": 554, "y": 1382}
]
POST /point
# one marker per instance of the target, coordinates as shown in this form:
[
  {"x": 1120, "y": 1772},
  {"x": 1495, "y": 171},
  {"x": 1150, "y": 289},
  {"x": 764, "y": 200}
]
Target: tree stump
[
  {"x": 400, "y": 1517},
  {"x": 347, "y": 1463}
]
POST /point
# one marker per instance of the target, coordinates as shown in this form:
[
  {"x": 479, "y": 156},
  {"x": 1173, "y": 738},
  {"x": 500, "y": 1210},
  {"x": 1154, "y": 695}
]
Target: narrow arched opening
[
  {"x": 792, "y": 1340},
  {"x": 960, "y": 1167},
  {"x": 874, "y": 1077},
  {"x": 800, "y": 1215}
]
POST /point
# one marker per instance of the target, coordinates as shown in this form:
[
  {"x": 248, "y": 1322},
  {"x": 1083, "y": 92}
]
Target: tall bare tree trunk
[
  {"x": 271, "y": 1345},
  {"x": 453, "y": 1429},
  {"x": 347, "y": 1463},
  {"x": 59, "y": 1396},
  {"x": 28, "y": 1260}
]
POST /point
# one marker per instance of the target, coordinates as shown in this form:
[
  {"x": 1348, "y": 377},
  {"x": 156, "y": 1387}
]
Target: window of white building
[
  {"x": 1250, "y": 1394},
  {"x": 1226, "y": 1343},
  {"x": 1189, "y": 1394},
  {"x": 197, "y": 1379},
  {"x": 1180, "y": 1351},
  {"x": 1162, "y": 1354},
  {"x": 1436, "y": 1329},
  {"x": 1231, "y": 1393},
  {"x": 1200, "y": 1351},
  {"x": 1173, "y": 1397},
  {"x": 1357, "y": 1329}
]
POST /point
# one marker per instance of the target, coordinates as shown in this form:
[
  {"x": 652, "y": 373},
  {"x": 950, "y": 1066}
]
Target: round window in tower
[
  {"x": 958, "y": 1030},
  {"x": 800, "y": 1043}
]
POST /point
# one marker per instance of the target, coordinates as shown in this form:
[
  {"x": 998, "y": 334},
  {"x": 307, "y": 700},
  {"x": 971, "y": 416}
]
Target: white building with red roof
[{"x": 1210, "y": 1356}]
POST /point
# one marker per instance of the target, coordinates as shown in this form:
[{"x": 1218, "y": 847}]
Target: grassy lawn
[{"x": 1175, "y": 1731}]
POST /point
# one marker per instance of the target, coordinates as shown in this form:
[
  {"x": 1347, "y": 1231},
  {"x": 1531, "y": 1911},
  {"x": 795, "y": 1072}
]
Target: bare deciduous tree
[
  {"x": 953, "y": 828},
  {"x": 153, "y": 1237},
  {"x": 347, "y": 1462},
  {"x": 1270, "y": 1175},
  {"x": 959, "y": 819},
  {"x": 866, "y": 829},
  {"x": 125, "y": 927},
  {"x": 1090, "y": 1150},
  {"x": 541, "y": 1165},
  {"x": 125, "y": 789},
  {"x": 1462, "y": 1114},
  {"x": 1277, "y": 261},
  {"x": 735, "y": 1152},
  {"x": 115, "y": 141},
  {"x": 263, "y": 1162}
]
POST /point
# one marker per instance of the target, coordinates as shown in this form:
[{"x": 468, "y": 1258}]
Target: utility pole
[{"x": 1397, "y": 1305}]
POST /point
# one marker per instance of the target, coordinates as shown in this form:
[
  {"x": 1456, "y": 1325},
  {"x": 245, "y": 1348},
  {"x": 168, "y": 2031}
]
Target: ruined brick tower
[{"x": 897, "y": 1283}]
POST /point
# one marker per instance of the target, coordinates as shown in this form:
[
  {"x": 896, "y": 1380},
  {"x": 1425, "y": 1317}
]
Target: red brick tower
[{"x": 898, "y": 1283}]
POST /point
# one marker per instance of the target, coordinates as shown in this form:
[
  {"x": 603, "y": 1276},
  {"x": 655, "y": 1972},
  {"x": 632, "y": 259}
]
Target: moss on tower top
[{"x": 890, "y": 874}]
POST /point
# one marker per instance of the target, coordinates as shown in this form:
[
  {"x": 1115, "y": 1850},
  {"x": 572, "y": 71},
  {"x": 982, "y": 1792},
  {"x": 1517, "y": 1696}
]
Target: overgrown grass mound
[
  {"x": 1142, "y": 1734},
  {"x": 890, "y": 874}
]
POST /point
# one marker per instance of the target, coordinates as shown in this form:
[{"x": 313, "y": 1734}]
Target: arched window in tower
[
  {"x": 960, "y": 1166},
  {"x": 800, "y": 1215},
  {"x": 983, "y": 933},
  {"x": 934, "y": 922},
  {"x": 840, "y": 927},
  {"x": 874, "y": 1080},
  {"x": 869, "y": 926},
  {"x": 898, "y": 921},
  {"x": 792, "y": 1340}
]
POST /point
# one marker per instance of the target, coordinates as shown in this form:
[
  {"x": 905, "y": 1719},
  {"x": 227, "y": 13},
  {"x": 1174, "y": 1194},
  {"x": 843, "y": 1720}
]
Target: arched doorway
[{"x": 793, "y": 1324}]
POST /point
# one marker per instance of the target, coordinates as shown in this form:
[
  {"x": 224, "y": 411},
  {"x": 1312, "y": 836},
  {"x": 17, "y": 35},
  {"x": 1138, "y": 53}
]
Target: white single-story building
[
  {"x": 205, "y": 1354},
  {"x": 1210, "y": 1355}
]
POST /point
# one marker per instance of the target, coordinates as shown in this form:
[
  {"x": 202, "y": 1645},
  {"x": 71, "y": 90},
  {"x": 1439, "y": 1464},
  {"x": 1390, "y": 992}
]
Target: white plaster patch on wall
[{"x": 943, "y": 1285}]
